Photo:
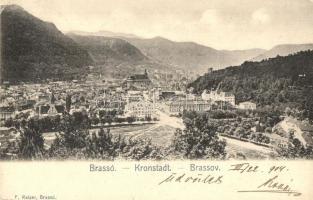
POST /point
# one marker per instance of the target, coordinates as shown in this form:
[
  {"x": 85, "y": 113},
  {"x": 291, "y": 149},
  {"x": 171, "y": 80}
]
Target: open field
[
  {"x": 161, "y": 135},
  {"x": 162, "y": 132}
]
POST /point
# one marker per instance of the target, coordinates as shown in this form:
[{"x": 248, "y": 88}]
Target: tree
[
  {"x": 295, "y": 149},
  {"x": 95, "y": 120},
  {"x": 31, "y": 142},
  {"x": 148, "y": 118},
  {"x": 9, "y": 122},
  {"x": 120, "y": 120},
  {"x": 68, "y": 102},
  {"x": 199, "y": 139},
  {"x": 130, "y": 119},
  {"x": 80, "y": 119},
  {"x": 277, "y": 82},
  {"x": 74, "y": 130},
  {"x": 308, "y": 105},
  {"x": 141, "y": 149}
]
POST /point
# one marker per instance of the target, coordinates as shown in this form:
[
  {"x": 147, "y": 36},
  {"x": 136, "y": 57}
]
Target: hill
[
  {"x": 190, "y": 55},
  {"x": 182, "y": 55},
  {"x": 278, "y": 82},
  {"x": 35, "y": 50},
  {"x": 106, "y": 50},
  {"x": 115, "y": 57},
  {"x": 103, "y": 33},
  {"x": 283, "y": 50}
]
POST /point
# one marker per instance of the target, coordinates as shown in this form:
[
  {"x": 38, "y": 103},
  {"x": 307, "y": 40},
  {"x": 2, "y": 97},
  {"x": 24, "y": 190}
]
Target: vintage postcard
[{"x": 156, "y": 99}]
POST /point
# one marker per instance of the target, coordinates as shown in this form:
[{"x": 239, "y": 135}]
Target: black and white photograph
[{"x": 156, "y": 80}]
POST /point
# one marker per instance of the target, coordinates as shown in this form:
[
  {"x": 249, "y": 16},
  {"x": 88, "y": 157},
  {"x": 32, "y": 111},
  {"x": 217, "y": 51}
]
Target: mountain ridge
[
  {"x": 152, "y": 48},
  {"x": 188, "y": 55},
  {"x": 34, "y": 50},
  {"x": 283, "y": 50},
  {"x": 108, "y": 49}
]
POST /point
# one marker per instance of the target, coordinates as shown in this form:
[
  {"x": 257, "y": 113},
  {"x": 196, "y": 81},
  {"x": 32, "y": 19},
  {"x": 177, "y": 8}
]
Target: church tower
[{"x": 52, "y": 98}]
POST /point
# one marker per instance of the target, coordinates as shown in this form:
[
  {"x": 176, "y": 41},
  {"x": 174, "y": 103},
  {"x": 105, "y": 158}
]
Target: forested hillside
[
  {"x": 278, "y": 82},
  {"x": 34, "y": 50}
]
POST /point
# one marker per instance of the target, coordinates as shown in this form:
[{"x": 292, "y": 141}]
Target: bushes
[
  {"x": 140, "y": 149},
  {"x": 45, "y": 124},
  {"x": 130, "y": 119},
  {"x": 199, "y": 139},
  {"x": 103, "y": 145},
  {"x": 296, "y": 150},
  {"x": 222, "y": 114},
  {"x": 28, "y": 146},
  {"x": 75, "y": 141}
]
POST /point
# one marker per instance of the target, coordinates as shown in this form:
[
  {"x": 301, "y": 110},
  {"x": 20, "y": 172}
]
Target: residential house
[
  {"x": 6, "y": 112},
  {"x": 216, "y": 95},
  {"x": 247, "y": 105},
  {"x": 277, "y": 141}
]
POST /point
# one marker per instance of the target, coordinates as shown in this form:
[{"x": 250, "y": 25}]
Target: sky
[{"x": 220, "y": 24}]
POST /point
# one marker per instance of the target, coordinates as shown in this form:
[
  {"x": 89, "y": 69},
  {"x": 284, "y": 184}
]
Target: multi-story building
[
  {"x": 177, "y": 107},
  {"x": 139, "y": 81},
  {"x": 215, "y": 95},
  {"x": 51, "y": 108},
  {"x": 6, "y": 112},
  {"x": 134, "y": 96},
  {"x": 140, "y": 109}
]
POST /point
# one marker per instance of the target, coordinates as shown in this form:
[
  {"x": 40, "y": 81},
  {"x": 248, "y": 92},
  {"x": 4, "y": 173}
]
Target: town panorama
[{"x": 108, "y": 96}]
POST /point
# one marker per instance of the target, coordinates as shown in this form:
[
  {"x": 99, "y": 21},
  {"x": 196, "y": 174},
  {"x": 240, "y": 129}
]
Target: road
[
  {"x": 246, "y": 145},
  {"x": 174, "y": 122}
]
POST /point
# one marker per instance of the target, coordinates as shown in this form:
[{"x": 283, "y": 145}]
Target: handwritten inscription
[
  {"x": 199, "y": 178},
  {"x": 244, "y": 167},
  {"x": 277, "y": 169},
  {"x": 272, "y": 184}
]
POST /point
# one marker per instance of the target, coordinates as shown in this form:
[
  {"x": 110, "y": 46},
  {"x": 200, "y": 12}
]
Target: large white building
[
  {"x": 177, "y": 107},
  {"x": 6, "y": 112},
  {"x": 247, "y": 105},
  {"x": 215, "y": 95},
  {"x": 134, "y": 96},
  {"x": 140, "y": 109}
]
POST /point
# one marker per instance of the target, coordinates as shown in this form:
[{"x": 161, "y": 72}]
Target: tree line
[
  {"x": 276, "y": 82},
  {"x": 73, "y": 140}
]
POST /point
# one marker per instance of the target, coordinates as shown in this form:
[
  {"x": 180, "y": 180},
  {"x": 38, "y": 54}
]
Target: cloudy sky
[{"x": 221, "y": 24}]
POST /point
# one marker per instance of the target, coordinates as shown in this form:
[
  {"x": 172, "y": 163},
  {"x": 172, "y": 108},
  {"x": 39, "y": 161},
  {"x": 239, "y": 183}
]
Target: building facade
[
  {"x": 219, "y": 96},
  {"x": 247, "y": 105},
  {"x": 140, "y": 109},
  {"x": 139, "y": 81},
  {"x": 177, "y": 107},
  {"x": 6, "y": 113}
]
